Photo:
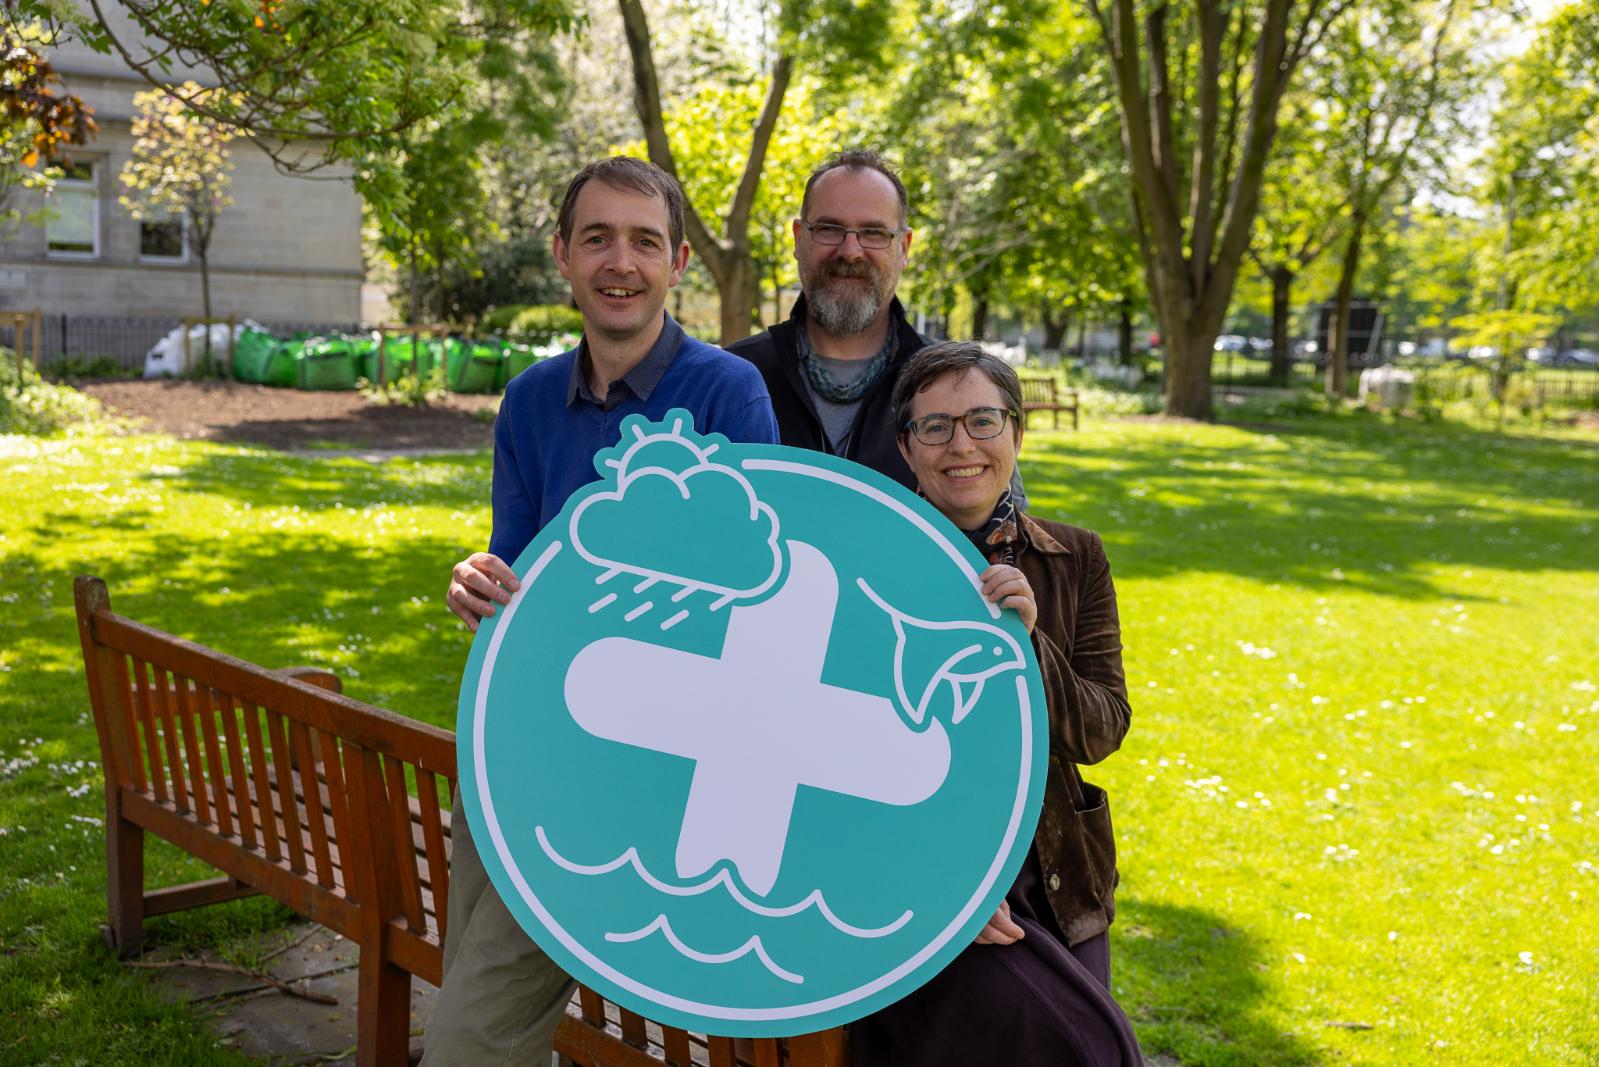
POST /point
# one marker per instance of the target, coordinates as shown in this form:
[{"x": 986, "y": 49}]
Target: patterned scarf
[
  {"x": 830, "y": 388},
  {"x": 1000, "y": 536}
]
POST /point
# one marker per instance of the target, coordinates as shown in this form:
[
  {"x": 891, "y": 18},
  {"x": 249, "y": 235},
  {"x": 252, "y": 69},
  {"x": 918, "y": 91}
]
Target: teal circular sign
[{"x": 748, "y": 752}]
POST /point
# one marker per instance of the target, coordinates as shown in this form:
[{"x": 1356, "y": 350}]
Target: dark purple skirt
[{"x": 1035, "y": 1003}]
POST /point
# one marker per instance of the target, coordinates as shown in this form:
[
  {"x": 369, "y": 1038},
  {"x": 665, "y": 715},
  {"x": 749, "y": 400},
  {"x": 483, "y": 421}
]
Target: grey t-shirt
[{"x": 837, "y": 419}]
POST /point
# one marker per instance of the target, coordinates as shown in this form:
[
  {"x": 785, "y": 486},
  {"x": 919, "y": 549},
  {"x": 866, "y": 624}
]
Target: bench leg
[
  {"x": 382, "y": 1011},
  {"x": 124, "y": 845}
]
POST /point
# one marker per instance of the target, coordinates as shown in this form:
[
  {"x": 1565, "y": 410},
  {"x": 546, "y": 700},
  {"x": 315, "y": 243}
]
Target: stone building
[{"x": 287, "y": 250}]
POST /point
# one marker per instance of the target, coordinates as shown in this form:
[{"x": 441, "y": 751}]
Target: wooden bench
[
  {"x": 1046, "y": 394},
  {"x": 336, "y": 808}
]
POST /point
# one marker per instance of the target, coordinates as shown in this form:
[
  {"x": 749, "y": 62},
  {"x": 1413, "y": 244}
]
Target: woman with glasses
[{"x": 1034, "y": 989}]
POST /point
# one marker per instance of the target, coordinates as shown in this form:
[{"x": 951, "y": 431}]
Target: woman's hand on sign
[
  {"x": 1001, "y": 929},
  {"x": 477, "y": 584},
  {"x": 1007, "y": 586}
]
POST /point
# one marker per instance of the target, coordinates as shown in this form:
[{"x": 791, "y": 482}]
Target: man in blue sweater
[{"x": 619, "y": 242}]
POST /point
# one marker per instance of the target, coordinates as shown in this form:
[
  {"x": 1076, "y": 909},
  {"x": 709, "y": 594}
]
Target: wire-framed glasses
[{"x": 875, "y": 238}]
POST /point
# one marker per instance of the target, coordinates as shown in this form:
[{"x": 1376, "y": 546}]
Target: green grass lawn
[{"x": 1358, "y": 811}]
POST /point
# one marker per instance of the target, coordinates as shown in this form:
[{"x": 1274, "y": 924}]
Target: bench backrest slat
[
  {"x": 217, "y": 776},
  {"x": 404, "y": 849},
  {"x": 675, "y": 1043},
  {"x": 146, "y": 718},
  {"x": 241, "y": 782},
  {"x": 720, "y": 1052},
  {"x": 333, "y": 757},
  {"x": 259, "y": 778},
  {"x": 283, "y": 784},
  {"x": 315, "y": 811},
  {"x": 187, "y": 708},
  {"x": 427, "y": 792},
  {"x": 169, "y": 737}
]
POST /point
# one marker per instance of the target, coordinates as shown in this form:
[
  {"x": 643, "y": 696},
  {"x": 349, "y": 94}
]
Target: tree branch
[
  {"x": 749, "y": 182},
  {"x": 1202, "y": 207},
  {"x": 647, "y": 97}
]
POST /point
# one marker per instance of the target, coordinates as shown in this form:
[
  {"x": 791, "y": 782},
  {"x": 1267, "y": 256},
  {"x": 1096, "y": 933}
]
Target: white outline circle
[{"x": 722, "y": 1012}]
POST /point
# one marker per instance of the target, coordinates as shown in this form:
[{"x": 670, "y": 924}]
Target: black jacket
[{"x": 775, "y": 354}]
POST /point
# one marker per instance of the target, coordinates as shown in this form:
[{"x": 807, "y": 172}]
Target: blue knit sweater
[{"x": 545, "y": 438}]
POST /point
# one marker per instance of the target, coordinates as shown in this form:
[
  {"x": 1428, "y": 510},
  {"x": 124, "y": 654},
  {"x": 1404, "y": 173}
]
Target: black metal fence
[{"x": 124, "y": 341}]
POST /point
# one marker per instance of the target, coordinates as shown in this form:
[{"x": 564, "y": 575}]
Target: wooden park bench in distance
[
  {"x": 337, "y": 809},
  {"x": 1046, "y": 394}
]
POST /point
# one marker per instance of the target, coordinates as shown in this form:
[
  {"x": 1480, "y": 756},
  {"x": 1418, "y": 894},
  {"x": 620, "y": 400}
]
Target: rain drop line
[
  {"x": 640, "y": 610},
  {"x": 607, "y": 576},
  {"x": 684, "y": 593},
  {"x": 601, "y": 602},
  {"x": 646, "y": 583},
  {"x": 674, "y": 620}
]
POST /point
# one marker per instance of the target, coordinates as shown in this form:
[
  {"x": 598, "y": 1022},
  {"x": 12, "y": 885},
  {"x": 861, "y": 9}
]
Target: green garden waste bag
[
  {"x": 252, "y": 353},
  {"x": 325, "y": 363},
  {"x": 402, "y": 355},
  {"x": 282, "y": 366},
  {"x": 518, "y": 358},
  {"x": 473, "y": 368},
  {"x": 364, "y": 354}
]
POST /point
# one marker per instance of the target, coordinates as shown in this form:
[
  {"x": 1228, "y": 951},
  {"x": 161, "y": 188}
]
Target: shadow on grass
[
  {"x": 1352, "y": 502},
  {"x": 1194, "y": 987},
  {"x": 373, "y": 614}
]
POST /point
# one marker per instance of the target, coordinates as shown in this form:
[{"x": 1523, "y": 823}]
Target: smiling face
[
  {"x": 620, "y": 262},
  {"x": 848, "y": 287},
  {"x": 962, "y": 478}
]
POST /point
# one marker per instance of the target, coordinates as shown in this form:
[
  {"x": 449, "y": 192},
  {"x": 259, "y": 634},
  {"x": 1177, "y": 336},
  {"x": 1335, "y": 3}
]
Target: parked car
[
  {"x": 1260, "y": 344},
  {"x": 1543, "y": 355},
  {"x": 1577, "y": 357},
  {"x": 1231, "y": 342}
]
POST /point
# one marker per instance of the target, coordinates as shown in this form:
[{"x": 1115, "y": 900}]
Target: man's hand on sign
[
  {"x": 1007, "y": 586},
  {"x": 478, "y": 583},
  {"x": 1001, "y": 929}
]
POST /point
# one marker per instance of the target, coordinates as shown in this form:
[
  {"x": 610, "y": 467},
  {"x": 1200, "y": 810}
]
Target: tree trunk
[
  {"x": 416, "y": 286},
  {"x": 1124, "y": 333},
  {"x": 205, "y": 302},
  {"x": 1055, "y": 327},
  {"x": 728, "y": 258},
  {"x": 1338, "y": 358},
  {"x": 1191, "y": 289},
  {"x": 1188, "y": 363},
  {"x": 1282, "y": 282},
  {"x": 740, "y": 289},
  {"x": 979, "y": 317}
]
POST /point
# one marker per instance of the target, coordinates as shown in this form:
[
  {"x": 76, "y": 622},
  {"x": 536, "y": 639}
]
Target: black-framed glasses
[
  {"x": 939, "y": 429},
  {"x": 875, "y": 238}
]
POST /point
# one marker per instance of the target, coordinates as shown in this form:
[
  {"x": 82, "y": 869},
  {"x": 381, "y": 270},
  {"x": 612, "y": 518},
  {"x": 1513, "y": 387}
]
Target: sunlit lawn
[{"x": 1358, "y": 811}]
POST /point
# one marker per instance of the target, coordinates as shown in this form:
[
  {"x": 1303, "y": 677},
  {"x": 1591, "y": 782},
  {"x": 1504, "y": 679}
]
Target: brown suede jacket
[{"x": 1078, "y": 642}]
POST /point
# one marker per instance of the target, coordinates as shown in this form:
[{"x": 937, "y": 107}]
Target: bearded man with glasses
[{"x": 832, "y": 366}]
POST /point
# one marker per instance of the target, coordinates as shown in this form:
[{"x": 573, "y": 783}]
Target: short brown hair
[
  {"x": 855, "y": 159},
  {"x": 935, "y": 361},
  {"x": 626, "y": 172}
]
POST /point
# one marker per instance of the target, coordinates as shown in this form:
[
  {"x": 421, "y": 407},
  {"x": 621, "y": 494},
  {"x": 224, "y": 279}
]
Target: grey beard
[{"x": 845, "y": 311}]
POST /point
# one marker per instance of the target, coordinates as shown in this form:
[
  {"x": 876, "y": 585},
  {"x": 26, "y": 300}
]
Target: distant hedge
[
  {"x": 533, "y": 322},
  {"x": 37, "y": 408}
]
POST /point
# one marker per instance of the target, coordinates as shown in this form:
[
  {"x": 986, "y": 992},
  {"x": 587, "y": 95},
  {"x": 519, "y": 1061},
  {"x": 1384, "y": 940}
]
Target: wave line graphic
[
  {"x": 723, "y": 878},
  {"x": 752, "y": 945}
]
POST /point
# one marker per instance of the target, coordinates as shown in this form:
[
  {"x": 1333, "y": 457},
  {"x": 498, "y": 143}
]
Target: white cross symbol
[{"x": 758, "y": 722}]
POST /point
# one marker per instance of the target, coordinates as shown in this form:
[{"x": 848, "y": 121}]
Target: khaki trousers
[{"x": 502, "y": 996}]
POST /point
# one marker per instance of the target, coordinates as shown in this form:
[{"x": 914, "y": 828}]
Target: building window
[
  {"x": 73, "y": 226},
  {"x": 162, "y": 240}
]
